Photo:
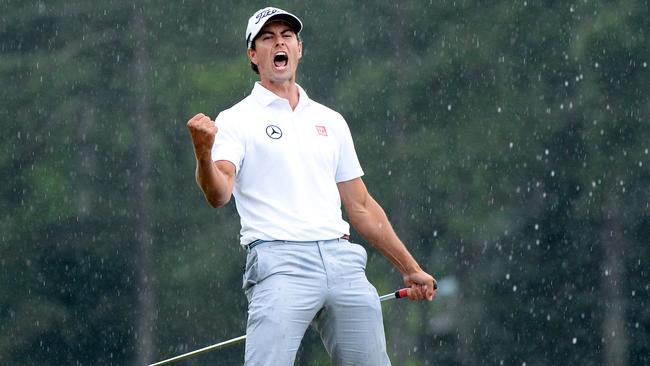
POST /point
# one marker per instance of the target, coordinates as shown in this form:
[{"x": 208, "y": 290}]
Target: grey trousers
[{"x": 290, "y": 285}]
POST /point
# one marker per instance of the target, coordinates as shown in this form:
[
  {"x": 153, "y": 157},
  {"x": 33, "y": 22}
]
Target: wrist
[
  {"x": 411, "y": 270},
  {"x": 203, "y": 155},
  {"x": 410, "y": 267}
]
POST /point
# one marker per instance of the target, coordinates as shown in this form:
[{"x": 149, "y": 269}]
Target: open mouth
[{"x": 280, "y": 59}]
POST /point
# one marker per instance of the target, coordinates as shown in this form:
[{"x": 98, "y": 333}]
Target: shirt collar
[{"x": 266, "y": 97}]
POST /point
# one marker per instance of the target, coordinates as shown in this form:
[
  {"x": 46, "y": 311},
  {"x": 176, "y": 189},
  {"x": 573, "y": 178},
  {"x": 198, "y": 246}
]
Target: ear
[
  {"x": 299, "y": 50},
  {"x": 252, "y": 55}
]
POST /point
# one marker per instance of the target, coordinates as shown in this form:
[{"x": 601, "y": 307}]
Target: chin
[{"x": 279, "y": 77}]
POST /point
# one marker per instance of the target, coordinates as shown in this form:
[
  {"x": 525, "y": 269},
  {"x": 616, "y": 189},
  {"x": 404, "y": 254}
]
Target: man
[{"x": 290, "y": 163}]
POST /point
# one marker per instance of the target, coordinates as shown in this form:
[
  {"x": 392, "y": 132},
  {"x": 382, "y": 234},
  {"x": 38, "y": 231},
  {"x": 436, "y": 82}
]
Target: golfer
[{"x": 290, "y": 163}]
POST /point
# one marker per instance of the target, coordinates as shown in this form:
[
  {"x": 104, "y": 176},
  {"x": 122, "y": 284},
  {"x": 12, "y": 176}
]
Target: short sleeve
[
  {"x": 229, "y": 142},
  {"x": 348, "y": 166}
]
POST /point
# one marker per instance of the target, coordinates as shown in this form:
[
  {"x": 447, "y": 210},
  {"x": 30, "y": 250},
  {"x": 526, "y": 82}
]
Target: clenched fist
[{"x": 203, "y": 131}]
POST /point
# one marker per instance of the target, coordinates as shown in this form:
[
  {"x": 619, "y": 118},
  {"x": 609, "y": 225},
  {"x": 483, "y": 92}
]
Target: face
[{"x": 277, "y": 52}]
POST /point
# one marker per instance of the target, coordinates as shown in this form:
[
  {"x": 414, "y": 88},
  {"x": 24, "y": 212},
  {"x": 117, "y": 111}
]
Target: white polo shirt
[{"x": 288, "y": 163}]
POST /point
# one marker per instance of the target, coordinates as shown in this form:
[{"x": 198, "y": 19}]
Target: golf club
[{"x": 395, "y": 295}]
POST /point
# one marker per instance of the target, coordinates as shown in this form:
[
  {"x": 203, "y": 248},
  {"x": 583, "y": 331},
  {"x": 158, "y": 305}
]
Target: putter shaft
[{"x": 211, "y": 348}]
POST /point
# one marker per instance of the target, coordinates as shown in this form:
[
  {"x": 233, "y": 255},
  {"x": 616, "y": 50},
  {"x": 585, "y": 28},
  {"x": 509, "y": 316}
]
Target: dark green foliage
[{"x": 507, "y": 141}]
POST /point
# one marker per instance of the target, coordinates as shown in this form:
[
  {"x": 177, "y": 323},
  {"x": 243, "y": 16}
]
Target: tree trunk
[
  {"x": 405, "y": 341},
  {"x": 613, "y": 328},
  {"x": 87, "y": 163},
  {"x": 142, "y": 203}
]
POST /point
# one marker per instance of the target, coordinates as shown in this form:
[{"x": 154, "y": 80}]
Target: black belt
[{"x": 257, "y": 242}]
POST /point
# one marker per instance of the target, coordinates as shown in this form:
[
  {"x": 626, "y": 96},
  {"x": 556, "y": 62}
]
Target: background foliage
[{"x": 507, "y": 141}]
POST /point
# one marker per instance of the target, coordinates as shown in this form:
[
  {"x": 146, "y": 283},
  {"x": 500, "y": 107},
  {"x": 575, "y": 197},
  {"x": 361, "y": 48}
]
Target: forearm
[
  {"x": 214, "y": 183},
  {"x": 371, "y": 222}
]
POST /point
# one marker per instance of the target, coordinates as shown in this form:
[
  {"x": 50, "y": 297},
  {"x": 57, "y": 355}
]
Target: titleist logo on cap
[{"x": 265, "y": 13}]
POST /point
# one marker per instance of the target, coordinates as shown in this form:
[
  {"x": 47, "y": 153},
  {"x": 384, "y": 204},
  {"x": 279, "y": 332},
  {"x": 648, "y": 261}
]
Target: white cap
[{"x": 262, "y": 16}]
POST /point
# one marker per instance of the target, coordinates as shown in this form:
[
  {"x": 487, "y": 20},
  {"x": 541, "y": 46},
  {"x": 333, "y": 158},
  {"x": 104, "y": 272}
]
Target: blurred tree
[
  {"x": 144, "y": 135},
  {"x": 505, "y": 140}
]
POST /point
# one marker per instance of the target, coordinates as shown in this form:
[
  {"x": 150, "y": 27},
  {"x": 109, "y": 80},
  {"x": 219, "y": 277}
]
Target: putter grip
[{"x": 404, "y": 292}]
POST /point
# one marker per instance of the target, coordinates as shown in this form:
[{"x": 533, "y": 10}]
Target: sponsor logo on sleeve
[{"x": 321, "y": 130}]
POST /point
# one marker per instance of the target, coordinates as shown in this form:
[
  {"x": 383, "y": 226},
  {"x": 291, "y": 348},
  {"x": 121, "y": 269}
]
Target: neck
[{"x": 287, "y": 90}]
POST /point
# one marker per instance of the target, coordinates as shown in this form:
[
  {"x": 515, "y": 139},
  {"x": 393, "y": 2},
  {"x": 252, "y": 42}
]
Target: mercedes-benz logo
[{"x": 273, "y": 132}]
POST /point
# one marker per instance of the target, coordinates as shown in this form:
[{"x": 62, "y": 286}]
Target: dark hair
[{"x": 253, "y": 66}]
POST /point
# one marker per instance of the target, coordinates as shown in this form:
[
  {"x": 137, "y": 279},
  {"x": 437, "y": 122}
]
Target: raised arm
[
  {"x": 370, "y": 221},
  {"x": 216, "y": 179}
]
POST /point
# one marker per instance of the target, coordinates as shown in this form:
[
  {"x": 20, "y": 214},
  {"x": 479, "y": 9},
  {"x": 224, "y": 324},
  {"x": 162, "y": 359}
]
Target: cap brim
[{"x": 293, "y": 21}]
